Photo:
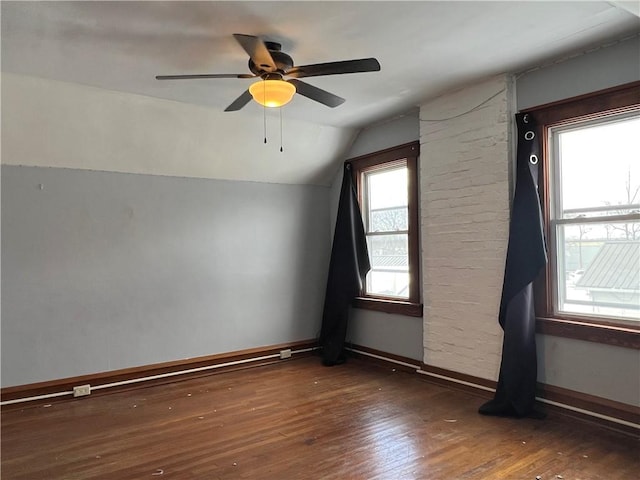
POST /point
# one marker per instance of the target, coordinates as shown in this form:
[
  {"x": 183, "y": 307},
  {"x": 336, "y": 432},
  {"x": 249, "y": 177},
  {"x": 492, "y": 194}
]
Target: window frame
[
  {"x": 596, "y": 105},
  {"x": 408, "y": 153}
]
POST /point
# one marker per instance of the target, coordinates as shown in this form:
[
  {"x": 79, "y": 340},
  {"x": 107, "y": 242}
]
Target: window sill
[
  {"x": 591, "y": 332},
  {"x": 388, "y": 306}
]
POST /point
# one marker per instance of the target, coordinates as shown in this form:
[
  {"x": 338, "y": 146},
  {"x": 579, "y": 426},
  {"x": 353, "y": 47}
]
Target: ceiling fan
[{"x": 268, "y": 62}]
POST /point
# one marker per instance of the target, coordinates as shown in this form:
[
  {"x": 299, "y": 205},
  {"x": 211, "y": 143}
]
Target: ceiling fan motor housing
[{"x": 283, "y": 61}]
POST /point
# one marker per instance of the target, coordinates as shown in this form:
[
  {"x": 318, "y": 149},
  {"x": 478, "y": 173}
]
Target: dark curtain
[
  {"x": 347, "y": 271},
  {"x": 526, "y": 256}
]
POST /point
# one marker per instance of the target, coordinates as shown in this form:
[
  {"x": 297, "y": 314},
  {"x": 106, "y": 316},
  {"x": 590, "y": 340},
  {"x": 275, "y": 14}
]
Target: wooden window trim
[
  {"x": 408, "y": 152},
  {"x": 594, "y": 105}
]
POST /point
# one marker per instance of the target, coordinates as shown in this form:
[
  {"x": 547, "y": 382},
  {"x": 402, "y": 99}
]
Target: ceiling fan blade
[
  {"x": 204, "y": 75},
  {"x": 239, "y": 102},
  {"x": 317, "y": 94},
  {"x": 257, "y": 50},
  {"x": 335, "y": 68}
]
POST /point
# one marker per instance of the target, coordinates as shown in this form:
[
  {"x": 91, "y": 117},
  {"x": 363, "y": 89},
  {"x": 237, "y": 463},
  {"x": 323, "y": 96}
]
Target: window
[
  {"x": 387, "y": 191},
  {"x": 595, "y": 216},
  {"x": 590, "y": 192}
]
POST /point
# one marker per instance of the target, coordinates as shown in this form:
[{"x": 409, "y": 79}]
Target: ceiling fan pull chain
[
  {"x": 281, "y": 129},
  {"x": 264, "y": 113}
]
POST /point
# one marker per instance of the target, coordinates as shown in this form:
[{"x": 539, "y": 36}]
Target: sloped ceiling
[{"x": 425, "y": 48}]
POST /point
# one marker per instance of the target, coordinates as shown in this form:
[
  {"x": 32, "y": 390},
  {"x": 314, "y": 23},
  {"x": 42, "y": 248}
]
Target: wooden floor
[{"x": 300, "y": 420}]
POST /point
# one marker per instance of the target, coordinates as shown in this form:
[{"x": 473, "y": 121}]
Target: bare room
[{"x": 320, "y": 240}]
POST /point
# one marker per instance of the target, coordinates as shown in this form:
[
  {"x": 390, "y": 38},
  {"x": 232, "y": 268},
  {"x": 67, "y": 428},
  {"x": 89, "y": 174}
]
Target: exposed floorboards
[{"x": 300, "y": 420}]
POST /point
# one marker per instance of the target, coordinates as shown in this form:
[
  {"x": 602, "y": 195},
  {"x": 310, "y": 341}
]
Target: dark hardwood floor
[{"x": 300, "y": 420}]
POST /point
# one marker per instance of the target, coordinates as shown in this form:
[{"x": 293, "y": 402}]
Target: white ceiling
[{"x": 424, "y": 47}]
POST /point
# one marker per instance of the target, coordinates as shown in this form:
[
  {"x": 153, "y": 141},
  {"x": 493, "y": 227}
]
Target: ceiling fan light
[{"x": 272, "y": 93}]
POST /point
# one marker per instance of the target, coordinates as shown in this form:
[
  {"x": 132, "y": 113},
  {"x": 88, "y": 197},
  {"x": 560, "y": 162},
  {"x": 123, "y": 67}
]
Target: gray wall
[
  {"x": 601, "y": 370},
  {"x": 102, "y": 271},
  {"x": 397, "y": 334},
  {"x": 596, "y": 70}
]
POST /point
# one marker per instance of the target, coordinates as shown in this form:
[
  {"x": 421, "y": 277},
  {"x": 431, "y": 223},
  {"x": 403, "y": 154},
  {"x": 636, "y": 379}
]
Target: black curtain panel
[
  {"x": 347, "y": 271},
  {"x": 526, "y": 256}
]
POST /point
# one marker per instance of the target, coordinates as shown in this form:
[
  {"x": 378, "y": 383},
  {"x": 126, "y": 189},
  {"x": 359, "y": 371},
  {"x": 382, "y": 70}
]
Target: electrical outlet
[
  {"x": 285, "y": 353},
  {"x": 82, "y": 390}
]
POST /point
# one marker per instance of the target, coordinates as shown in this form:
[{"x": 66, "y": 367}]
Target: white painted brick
[{"x": 464, "y": 169}]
